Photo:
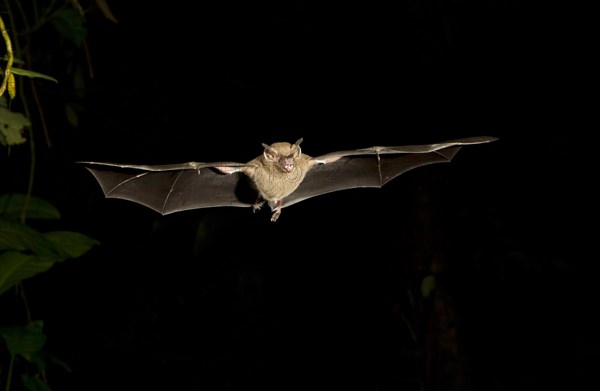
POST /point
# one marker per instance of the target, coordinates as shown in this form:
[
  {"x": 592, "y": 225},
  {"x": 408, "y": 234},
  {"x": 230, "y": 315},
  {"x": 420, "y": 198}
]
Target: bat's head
[{"x": 283, "y": 155}]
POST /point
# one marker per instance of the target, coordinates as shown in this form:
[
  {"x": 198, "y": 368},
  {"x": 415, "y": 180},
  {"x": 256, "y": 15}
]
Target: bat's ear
[
  {"x": 298, "y": 150},
  {"x": 270, "y": 154}
]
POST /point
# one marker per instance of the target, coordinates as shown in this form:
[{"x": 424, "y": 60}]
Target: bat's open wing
[
  {"x": 372, "y": 167},
  {"x": 177, "y": 187},
  {"x": 174, "y": 187}
]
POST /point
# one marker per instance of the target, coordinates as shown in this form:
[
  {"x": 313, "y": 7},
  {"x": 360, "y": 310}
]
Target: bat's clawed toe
[
  {"x": 275, "y": 215},
  {"x": 257, "y": 205}
]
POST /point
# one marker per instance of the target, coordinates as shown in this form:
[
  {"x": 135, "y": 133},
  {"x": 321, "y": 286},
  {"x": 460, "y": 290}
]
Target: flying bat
[{"x": 281, "y": 176}]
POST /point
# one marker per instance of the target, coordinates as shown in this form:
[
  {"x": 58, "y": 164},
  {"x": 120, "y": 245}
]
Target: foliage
[
  {"x": 27, "y": 343},
  {"x": 24, "y": 251}
]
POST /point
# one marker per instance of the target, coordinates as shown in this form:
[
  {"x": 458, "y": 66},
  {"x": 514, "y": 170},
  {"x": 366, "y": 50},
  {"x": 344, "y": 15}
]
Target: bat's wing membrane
[
  {"x": 372, "y": 167},
  {"x": 174, "y": 187},
  {"x": 423, "y": 148}
]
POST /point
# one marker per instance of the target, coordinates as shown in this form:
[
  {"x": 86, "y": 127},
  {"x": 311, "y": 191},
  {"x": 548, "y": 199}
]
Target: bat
[{"x": 282, "y": 176}]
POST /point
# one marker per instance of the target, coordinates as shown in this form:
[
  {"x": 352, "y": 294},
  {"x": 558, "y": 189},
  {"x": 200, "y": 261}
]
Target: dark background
[{"x": 329, "y": 296}]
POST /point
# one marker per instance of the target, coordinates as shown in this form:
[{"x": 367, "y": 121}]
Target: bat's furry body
[{"x": 281, "y": 176}]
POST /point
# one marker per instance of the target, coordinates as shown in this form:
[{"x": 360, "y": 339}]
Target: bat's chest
[{"x": 275, "y": 185}]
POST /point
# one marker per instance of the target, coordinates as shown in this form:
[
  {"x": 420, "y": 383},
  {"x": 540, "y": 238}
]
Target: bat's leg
[{"x": 276, "y": 211}]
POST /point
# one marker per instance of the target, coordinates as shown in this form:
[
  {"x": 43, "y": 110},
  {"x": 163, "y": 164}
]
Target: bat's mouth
[{"x": 288, "y": 167}]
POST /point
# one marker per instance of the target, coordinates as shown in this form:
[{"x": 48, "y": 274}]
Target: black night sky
[{"x": 331, "y": 295}]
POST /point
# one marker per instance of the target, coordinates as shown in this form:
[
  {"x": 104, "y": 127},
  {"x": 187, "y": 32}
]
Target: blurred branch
[{"x": 9, "y": 60}]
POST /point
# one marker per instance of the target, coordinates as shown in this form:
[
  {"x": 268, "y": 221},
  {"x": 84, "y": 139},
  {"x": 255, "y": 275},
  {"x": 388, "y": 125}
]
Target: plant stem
[{"x": 10, "y": 371}]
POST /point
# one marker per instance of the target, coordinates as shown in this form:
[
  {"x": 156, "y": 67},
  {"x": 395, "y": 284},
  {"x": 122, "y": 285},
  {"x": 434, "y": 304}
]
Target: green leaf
[
  {"x": 11, "y": 127},
  {"x": 38, "y": 360},
  {"x": 16, "y": 266},
  {"x": 20, "y": 237},
  {"x": 69, "y": 23},
  {"x": 28, "y": 252},
  {"x": 52, "y": 359},
  {"x": 103, "y": 5},
  {"x": 427, "y": 285},
  {"x": 24, "y": 340},
  {"x": 71, "y": 244},
  {"x": 11, "y": 268},
  {"x": 15, "y": 60},
  {"x": 34, "y": 383},
  {"x": 71, "y": 115},
  {"x": 11, "y": 206},
  {"x": 32, "y": 74}
]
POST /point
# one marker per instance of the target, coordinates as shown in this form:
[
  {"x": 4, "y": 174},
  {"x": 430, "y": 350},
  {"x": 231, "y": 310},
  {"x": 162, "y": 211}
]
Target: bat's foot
[
  {"x": 275, "y": 215},
  {"x": 257, "y": 205},
  {"x": 276, "y": 210}
]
